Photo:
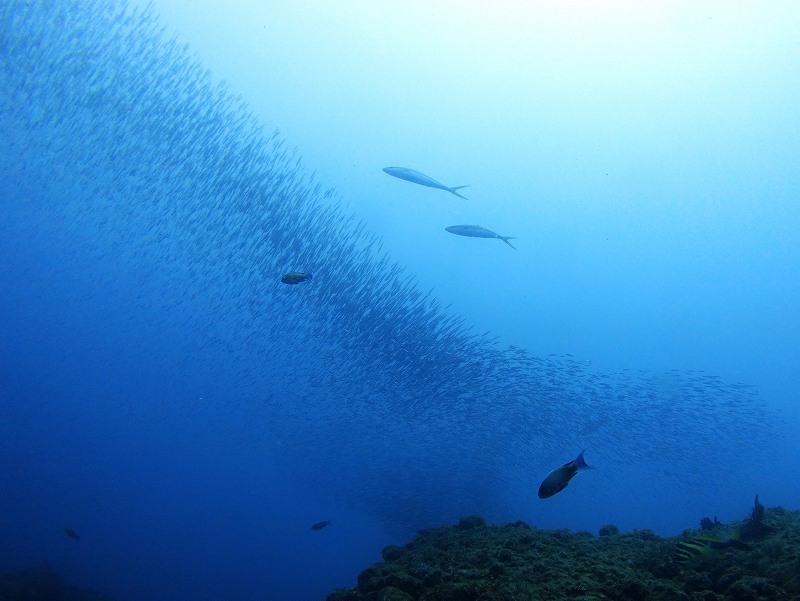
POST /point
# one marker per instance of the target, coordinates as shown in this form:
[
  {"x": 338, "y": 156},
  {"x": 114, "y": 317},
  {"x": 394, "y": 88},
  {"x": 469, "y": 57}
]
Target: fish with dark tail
[
  {"x": 320, "y": 525},
  {"x": 415, "y": 177},
  {"x": 72, "y": 534},
  {"x": 558, "y": 479},
  {"x": 476, "y": 231}
]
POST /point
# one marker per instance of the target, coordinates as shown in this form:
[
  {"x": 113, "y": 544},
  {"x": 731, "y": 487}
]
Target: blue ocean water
[{"x": 165, "y": 396}]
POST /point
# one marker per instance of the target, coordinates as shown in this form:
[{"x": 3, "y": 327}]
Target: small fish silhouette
[{"x": 295, "y": 277}]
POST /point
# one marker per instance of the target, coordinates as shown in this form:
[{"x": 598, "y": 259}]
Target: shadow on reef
[
  {"x": 43, "y": 584},
  {"x": 472, "y": 561}
]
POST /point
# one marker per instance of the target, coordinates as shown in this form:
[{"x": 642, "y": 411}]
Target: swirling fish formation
[{"x": 127, "y": 146}]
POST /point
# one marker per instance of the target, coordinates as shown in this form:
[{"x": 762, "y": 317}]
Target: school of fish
[{"x": 210, "y": 214}]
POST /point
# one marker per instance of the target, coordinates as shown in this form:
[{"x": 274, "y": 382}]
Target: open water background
[{"x": 162, "y": 393}]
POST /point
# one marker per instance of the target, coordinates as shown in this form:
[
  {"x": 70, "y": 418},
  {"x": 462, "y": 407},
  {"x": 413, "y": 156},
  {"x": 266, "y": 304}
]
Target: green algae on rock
[{"x": 473, "y": 561}]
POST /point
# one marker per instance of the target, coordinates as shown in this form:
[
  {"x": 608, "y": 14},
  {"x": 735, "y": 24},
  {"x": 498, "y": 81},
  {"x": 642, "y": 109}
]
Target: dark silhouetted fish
[
  {"x": 476, "y": 231},
  {"x": 72, "y": 534},
  {"x": 295, "y": 277},
  {"x": 320, "y": 525},
  {"x": 415, "y": 177},
  {"x": 558, "y": 479}
]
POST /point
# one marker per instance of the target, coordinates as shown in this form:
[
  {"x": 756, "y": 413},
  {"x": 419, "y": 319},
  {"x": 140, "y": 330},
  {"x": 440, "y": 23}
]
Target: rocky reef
[
  {"x": 473, "y": 561},
  {"x": 43, "y": 584}
]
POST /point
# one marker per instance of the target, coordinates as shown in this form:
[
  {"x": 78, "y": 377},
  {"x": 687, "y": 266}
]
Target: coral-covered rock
[
  {"x": 43, "y": 584},
  {"x": 392, "y": 553},
  {"x": 388, "y": 594},
  {"x": 373, "y": 578},
  {"x": 344, "y": 595},
  {"x": 471, "y": 521},
  {"x": 475, "y": 562}
]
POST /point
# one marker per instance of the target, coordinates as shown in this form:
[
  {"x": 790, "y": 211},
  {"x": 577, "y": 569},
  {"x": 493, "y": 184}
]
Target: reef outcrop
[
  {"x": 43, "y": 584},
  {"x": 473, "y": 561}
]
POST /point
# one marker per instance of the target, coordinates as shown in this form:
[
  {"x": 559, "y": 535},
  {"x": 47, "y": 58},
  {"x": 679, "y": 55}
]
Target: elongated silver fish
[
  {"x": 476, "y": 231},
  {"x": 415, "y": 177},
  {"x": 557, "y": 480}
]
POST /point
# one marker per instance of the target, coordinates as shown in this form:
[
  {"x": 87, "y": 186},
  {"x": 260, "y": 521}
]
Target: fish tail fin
[
  {"x": 308, "y": 275},
  {"x": 580, "y": 462},
  {"x": 506, "y": 240},
  {"x": 453, "y": 191}
]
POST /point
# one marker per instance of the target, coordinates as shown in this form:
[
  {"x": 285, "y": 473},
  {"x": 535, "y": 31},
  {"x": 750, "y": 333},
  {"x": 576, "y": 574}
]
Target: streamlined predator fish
[
  {"x": 558, "y": 479},
  {"x": 415, "y": 177},
  {"x": 476, "y": 231},
  {"x": 320, "y": 525},
  {"x": 72, "y": 534},
  {"x": 295, "y": 277}
]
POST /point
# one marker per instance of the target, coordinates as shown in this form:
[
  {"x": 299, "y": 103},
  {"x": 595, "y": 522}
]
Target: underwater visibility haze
[{"x": 187, "y": 412}]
